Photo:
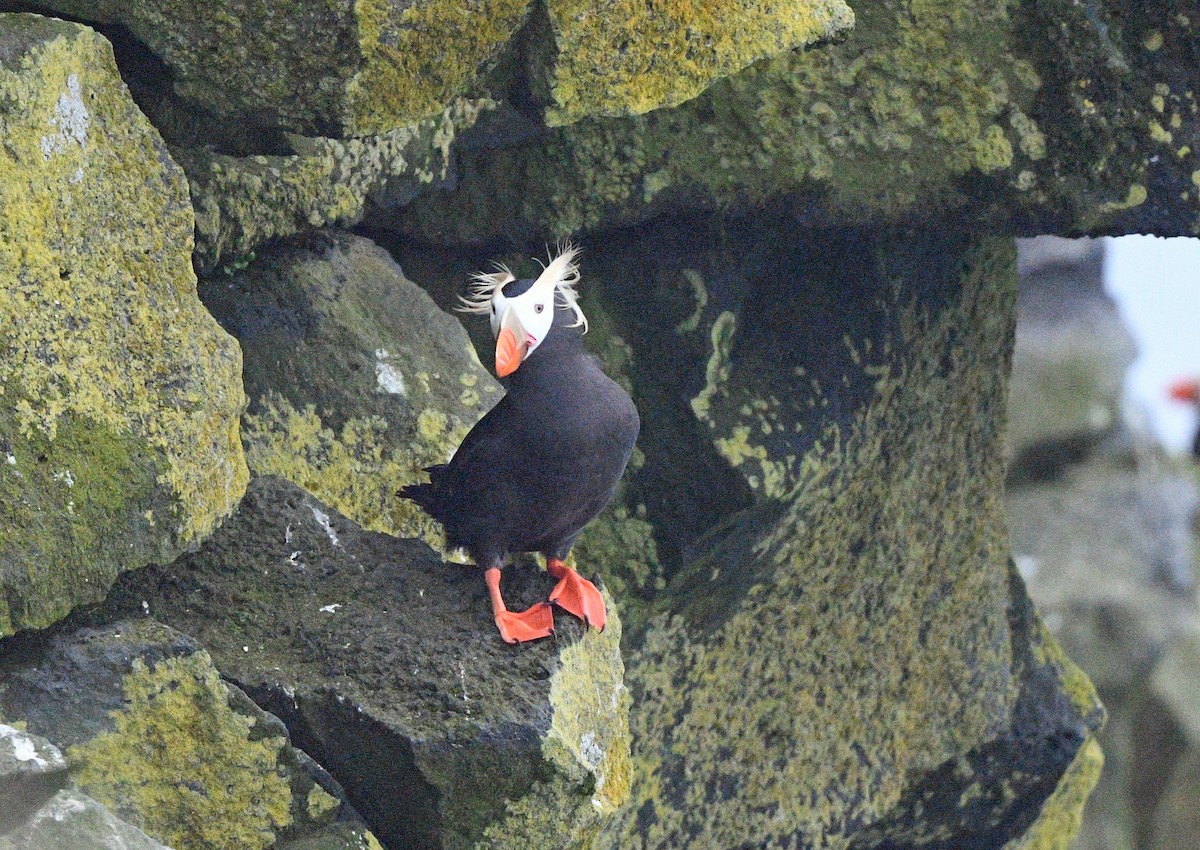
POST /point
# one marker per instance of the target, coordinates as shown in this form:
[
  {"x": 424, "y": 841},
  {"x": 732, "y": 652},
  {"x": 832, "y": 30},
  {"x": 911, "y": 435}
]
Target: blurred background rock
[{"x": 1103, "y": 524}]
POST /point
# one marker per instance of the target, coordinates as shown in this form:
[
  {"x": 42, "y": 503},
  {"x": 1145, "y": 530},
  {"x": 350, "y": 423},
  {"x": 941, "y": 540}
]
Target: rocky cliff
[{"x": 797, "y": 224}]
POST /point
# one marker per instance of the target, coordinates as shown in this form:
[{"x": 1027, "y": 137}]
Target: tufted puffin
[
  {"x": 1188, "y": 390},
  {"x": 546, "y": 459}
]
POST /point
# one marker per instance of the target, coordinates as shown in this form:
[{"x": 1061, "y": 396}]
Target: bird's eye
[{"x": 537, "y": 308}]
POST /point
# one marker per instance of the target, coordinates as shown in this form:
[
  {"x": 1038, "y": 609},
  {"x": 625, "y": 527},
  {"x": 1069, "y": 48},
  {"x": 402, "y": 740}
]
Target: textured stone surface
[
  {"x": 31, "y": 771},
  {"x": 785, "y": 697},
  {"x": 385, "y": 664},
  {"x": 76, "y": 821},
  {"x": 628, "y": 57},
  {"x": 357, "y": 380},
  {"x": 119, "y": 395},
  {"x": 320, "y": 67},
  {"x": 152, "y": 732},
  {"x": 244, "y": 201},
  {"x": 1049, "y": 117}
]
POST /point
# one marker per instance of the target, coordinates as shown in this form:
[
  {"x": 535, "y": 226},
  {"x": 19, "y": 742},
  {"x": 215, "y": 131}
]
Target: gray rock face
[
  {"x": 385, "y": 664},
  {"x": 152, "y": 733},
  {"x": 31, "y": 770},
  {"x": 74, "y": 821}
]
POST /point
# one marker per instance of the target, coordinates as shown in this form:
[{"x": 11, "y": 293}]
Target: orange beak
[
  {"x": 1187, "y": 389},
  {"x": 509, "y": 352}
]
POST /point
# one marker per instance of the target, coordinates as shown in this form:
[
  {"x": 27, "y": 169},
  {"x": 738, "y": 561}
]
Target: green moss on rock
[
  {"x": 789, "y": 695},
  {"x": 243, "y": 202},
  {"x": 318, "y": 67},
  {"x": 357, "y": 380},
  {"x": 630, "y": 57},
  {"x": 102, "y": 339},
  {"x": 177, "y": 733}
]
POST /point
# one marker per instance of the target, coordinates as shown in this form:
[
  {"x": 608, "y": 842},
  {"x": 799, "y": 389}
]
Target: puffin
[
  {"x": 542, "y": 463},
  {"x": 1188, "y": 390}
]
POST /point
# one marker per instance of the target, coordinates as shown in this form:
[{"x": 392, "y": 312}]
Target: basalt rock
[
  {"x": 357, "y": 381},
  {"x": 152, "y": 733},
  {"x": 119, "y": 394},
  {"x": 385, "y": 664}
]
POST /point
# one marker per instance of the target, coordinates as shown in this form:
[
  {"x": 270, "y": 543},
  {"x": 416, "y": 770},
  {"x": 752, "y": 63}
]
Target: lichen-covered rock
[
  {"x": 385, "y": 664},
  {"x": 1062, "y": 116},
  {"x": 318, "y": 67},
  {"x": 357, "y": 380},
  {"x": 628, "y": 57},
  {"x": 785, "y": 697},
  {"x": 152, "y": 732},
  {"x": 31, "y": 771},
  {"x": 74, "y": 820},
  {"x": 243, "y": 202},
  {"x": 1070, "y": 357},
  {"x": 119, "y": 394}
]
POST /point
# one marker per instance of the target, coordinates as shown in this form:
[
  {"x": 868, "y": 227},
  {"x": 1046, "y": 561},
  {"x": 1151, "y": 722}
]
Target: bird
[
  {"x": 546, "y": 459},
  {"x": 1188, "y": 390}
]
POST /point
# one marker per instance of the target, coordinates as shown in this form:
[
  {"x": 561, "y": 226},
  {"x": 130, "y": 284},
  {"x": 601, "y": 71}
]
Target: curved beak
[
  {"x": 512, "y": 343},
  {"x": 1187, "y": 389}
]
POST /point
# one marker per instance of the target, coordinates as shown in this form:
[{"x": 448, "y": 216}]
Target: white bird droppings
[
  {"x": 322, "y": 519},
  {"x": 70, "y": 122},
  {"x": 387, "y": 376}
]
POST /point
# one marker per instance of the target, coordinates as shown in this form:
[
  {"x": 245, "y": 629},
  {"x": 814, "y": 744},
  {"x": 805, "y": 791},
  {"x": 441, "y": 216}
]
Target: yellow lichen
[
  {"x": 98, "y": 315},
  {"x": 629, "y": 57},
  {"x": 182, "y": 765},
  {"x": 357, "y": 470},
  {"x": 1058, "y": 822}
]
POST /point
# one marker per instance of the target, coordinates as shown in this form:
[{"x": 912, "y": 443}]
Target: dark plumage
[
  {"x": 546, "y": 459},
  {"x": 542, "y": 463}
]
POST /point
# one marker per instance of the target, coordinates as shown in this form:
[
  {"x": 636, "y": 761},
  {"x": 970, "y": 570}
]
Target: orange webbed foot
[
  {"x": 518, "y": 626},
  {"x": 533, "y": 623},
  {"x": 576, "y": 595}
]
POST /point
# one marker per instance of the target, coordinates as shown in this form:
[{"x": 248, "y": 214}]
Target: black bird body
[
  {"x": 542, "y": 463},
  {"x": 546, "y": 459}
]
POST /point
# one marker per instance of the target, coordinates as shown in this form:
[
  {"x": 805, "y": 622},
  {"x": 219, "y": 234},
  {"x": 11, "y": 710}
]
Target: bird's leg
[
  {"x": 576, "y": 595},
  {"x": 515, "y": 627}
]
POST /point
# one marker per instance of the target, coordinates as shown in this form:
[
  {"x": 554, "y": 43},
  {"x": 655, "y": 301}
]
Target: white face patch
[{"x": 533, "y": 311}]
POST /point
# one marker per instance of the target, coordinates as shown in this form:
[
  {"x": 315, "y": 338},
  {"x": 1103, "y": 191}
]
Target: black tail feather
[{"x": 431, "y": 497}]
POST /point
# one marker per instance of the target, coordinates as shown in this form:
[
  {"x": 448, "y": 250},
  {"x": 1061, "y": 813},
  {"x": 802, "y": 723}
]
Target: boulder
[
  {"x": 74, "y": 820},
  {"x": 152, "y": 732},
  {"x": 357, "y": 381},
  {"x": 628, "y": 58},
  {"x": 782, "y": 695},
  {"x": 243, "y": 202},
  {"x": 119, "y": 394},
  {"x": 318, "y": 68},
  {"x": 386, "y": 666},
  {"x": 32, "y": 770},
  {"x": 1060, "y": 117}
]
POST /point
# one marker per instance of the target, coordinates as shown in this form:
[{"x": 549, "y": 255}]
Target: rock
[
  {"x": 386, "y": 666},
  {"x": 31, "y": 771},
  {"x": 152, "y": 733},
  {"x": 74, "y": 820},
  {"x": 317, "y": 68},
  {"x": 1012, "y": 116},
  {"x": 629, "y": 58},
  {"x": 1070, "y": 357},
  {"x": 1167, "y": 748},
  {"x": 780, "y": 697},
  {"x": 357, "y": 380},
  {"x": 119, "y": 395},
  {"x": 243, "y": 202}
]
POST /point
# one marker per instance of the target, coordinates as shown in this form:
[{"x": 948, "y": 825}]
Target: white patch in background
[
  {"x": 322, "y": 519},
  {"x": 1156, "y": 284},
  {"x": 330, "y": 609},
  {"x": 70, "y": 122},
  {"x": 1027, "y": 566},
  {"x": 387, "y": 376}
]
